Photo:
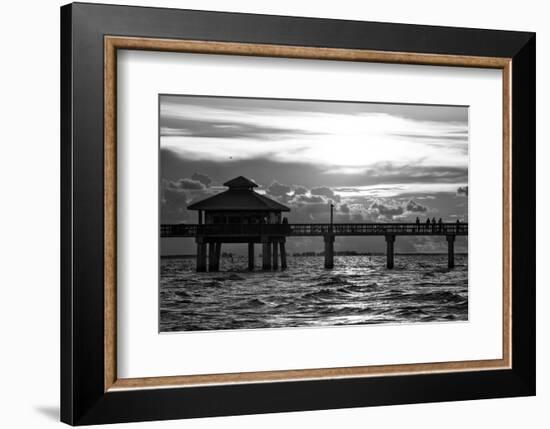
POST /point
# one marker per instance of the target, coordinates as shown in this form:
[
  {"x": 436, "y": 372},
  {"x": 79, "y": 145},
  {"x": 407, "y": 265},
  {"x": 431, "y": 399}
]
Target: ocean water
[{"x": 359, "y": 290}]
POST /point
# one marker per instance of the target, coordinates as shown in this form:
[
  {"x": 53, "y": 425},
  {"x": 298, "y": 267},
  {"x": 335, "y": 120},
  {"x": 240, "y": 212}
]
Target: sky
[{"x": 375, "y": 162}]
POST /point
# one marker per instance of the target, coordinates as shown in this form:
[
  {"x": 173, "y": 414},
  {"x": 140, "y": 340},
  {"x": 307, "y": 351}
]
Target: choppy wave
[{"x": 358, "y": 291}]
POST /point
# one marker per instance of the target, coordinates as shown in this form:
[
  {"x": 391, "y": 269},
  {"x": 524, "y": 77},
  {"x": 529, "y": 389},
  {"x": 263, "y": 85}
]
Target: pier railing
[{"x": 314, "y": 229}]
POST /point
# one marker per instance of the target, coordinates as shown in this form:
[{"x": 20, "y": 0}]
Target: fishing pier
[
  {"x": 240, "y": 215},
  {"x": 273, "y": 237}
]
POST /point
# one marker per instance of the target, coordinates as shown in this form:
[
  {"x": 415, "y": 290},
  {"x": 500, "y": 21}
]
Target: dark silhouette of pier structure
[{"x": 241, "y": 215}]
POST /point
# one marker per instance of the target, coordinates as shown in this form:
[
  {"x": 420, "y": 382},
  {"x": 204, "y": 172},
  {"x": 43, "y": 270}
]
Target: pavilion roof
[{"x": 240, "y": 196}]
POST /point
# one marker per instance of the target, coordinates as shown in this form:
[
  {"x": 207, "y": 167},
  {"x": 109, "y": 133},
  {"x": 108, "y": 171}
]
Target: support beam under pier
[
  {"x": 201, "y": 255},
  {"x": 266, "y": 255},
  {"x": 218, "y": 255},
  {"x": 390, "y": 240},
  {"x": 211, "y": 256},
  {"x": 251, "y": 256},
  {"x": 283, "y": 255},
  {"x": 329, "y": 251},
  {"x": 451, "y": 251},
  {"x": 275, "y": 255}
]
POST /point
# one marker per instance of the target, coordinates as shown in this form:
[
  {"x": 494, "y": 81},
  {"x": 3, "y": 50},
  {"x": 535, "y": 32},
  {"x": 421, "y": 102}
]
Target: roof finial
[{"x": 240, "y": 183}]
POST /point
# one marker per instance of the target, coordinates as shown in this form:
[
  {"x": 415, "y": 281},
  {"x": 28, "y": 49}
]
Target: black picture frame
[{"x": 83, "y": 399}]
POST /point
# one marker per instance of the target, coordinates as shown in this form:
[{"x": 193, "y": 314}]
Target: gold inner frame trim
[{"x": 113, "y": 43}]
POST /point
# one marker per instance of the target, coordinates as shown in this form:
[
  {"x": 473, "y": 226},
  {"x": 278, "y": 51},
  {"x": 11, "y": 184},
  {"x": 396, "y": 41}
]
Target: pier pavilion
[{"x": 240, "y": 215}]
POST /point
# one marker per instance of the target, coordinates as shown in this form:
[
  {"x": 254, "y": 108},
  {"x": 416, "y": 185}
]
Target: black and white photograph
[{"x": 279, "y": 213}]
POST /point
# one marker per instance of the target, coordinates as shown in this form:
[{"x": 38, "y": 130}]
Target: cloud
[
  {"x": 462, "y": 191},
  {"x": 413, "y": 206},
  {"x": 313, "y": 199},
  {"x": 186, "y": 184},
  {"x": 276, "y": 107},
  {"x": 299, "y": 190},
  {"x": 311, "y": 212},
  {"x": 278, "y": 189},
  {"x": 323, "y": 190},
  {"x": 344, "y": 208},
  {"x": 310, "y": 206},
  {"x": 392, "y": 173},
  {"x": 387, "y": 211},
  {"x": 448, "y": 135},
  {"x": 177, "y": 194},
  {"x": 334, "y": 137},
  {"x": 204, "y": 179},
  {"x": 178, "y": 126},
  {"x": 326, "y": 192},
  {"x": 391, "y": 208},
  {"x": 173, "y": 203}
]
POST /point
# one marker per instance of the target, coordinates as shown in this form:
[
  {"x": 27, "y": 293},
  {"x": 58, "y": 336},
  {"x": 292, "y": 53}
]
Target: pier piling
[
  {"x": 450, "y": 251},
  {"x": 266, "y": 255},
  {"x": 390, "y": 240},
  {"x": 275, "y": 255},
  {"x": 329, "y": 251},
  {"x": 251, "y": 256},
  {"x": 211, "y": 256},
  {"x": 201, "y": 255},
  {"x": 218, "y": 255},
  {"x": 283, "y": 255}
]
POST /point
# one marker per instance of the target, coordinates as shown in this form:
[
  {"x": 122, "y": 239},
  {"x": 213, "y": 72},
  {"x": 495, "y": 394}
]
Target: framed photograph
[{"x": 266, "y": 214}]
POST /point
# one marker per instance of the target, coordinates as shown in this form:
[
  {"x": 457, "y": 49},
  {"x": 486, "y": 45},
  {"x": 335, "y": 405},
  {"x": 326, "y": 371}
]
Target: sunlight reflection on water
[{"x": 359, "y": 290}]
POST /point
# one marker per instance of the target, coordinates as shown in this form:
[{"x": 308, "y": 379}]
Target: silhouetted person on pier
[
  {"x": 417, "y": 224},
  {"x": 286, "y": 228},
  {"x": 440, "y": 223}
]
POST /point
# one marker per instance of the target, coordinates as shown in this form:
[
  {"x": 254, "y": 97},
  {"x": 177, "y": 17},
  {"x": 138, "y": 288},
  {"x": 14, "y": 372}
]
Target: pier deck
[{"x": 312, "y": 229}]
